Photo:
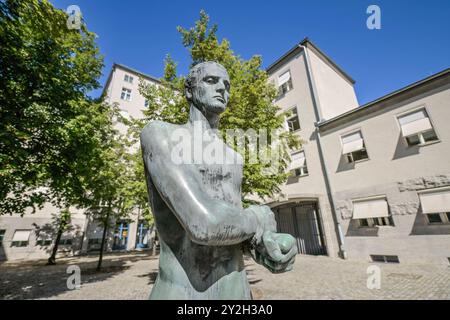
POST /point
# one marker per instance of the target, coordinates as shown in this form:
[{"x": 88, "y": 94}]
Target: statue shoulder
[{"x": 156, "y": 134}]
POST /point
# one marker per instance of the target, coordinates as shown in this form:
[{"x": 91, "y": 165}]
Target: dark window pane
[
  {"x": 413, "y": 140},
  {"x": 434, "y": 218},
  {"x": 349, "y": 157},
  {"x": 363, "y": 222},
  {"x": 360, "y": 155},
  {"x": 429, "y": 136},
  {"x": 448, "y": 216},
  {"x": 293, "y": 124}
]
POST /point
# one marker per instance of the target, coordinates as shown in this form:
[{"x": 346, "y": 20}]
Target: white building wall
[
  {"x": 398, "y": 172},
  {"x": 336, "y": 94},
  {"x": 312, "y": 186}
]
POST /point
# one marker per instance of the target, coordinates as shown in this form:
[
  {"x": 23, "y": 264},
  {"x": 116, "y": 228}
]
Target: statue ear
[{"x": 188, "y": 93}]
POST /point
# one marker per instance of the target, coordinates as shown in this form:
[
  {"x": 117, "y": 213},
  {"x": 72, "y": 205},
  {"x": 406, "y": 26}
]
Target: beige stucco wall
[
  {"x": 336, "y": 94},
  {"x": 134, "y": 107},
  {"x": 311, "y": 186},
  {"x": 390, "y": 159},
  {"x": 398, "y": 172}
]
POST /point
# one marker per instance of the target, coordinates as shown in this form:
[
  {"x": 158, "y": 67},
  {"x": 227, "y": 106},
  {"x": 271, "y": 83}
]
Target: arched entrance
[{"x": 302, "y": 221}]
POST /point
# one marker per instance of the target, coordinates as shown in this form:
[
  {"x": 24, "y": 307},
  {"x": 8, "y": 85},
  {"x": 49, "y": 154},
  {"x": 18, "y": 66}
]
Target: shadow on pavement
[{"x": 35, "y": 280}]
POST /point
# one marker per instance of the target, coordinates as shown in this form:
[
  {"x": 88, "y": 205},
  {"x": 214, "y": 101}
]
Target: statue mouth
[{"x": 220, "y": 99}]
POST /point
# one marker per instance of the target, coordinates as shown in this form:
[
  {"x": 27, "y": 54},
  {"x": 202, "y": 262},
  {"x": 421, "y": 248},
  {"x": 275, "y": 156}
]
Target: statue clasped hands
[{"x": 275, "y": 251}]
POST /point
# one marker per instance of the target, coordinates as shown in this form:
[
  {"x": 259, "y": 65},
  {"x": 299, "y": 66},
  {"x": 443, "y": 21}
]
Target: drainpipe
[{"x": 318, "y": 115}]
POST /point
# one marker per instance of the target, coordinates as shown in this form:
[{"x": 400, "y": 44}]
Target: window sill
[
  {"x": 438, "y": 224},
  {"x": 427, "y": 143},
  {"x": 281, "y": 96},
  {"x": 358, "y": 161}
]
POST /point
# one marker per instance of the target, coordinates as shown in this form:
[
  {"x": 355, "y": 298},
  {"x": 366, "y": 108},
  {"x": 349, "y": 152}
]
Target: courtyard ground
[{"x": 131, "y": 276}]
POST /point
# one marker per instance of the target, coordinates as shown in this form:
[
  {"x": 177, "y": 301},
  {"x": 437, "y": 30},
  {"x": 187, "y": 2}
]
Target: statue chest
[{"x": 221, "y": 172}]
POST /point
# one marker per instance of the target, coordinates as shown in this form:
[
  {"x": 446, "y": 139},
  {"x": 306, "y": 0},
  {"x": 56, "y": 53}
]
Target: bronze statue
[{"x": 202, "y": 226}]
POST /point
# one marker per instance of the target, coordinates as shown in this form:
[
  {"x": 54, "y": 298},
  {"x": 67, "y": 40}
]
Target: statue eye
[{"x": 210, "y": 80}]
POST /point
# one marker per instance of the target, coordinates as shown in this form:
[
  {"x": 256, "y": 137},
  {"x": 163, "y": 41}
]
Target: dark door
[
  {"x": 302, "y": 222},
  {"x": 121, "y": 236}
]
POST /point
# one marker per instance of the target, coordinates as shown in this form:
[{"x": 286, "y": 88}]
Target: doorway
[{"x": 302, "y": 221}]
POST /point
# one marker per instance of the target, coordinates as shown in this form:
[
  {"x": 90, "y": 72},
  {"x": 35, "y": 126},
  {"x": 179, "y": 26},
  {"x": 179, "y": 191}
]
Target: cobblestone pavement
[{"x": 131, "y": 276}]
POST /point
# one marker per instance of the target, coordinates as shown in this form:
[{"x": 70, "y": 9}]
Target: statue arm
[{"x": 207, "y": 221}]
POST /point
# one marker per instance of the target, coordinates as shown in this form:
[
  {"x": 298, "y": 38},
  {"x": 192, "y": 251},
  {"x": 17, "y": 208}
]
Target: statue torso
[{"x": 189, "y": 270}]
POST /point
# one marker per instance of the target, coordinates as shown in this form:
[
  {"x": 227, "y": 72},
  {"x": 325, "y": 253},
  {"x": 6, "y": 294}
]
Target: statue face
[{"x": 211, "y": 90}]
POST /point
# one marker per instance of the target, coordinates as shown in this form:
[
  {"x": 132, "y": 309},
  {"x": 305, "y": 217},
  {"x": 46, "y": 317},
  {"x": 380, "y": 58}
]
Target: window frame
[
  {"x": 444, "y": 216},
  {"x": 303, "y": 172},
  {"x": 290, "y": 88},
  {"x": 350, "y": 155},
  {"x": 422, "y": 141},
  {"x": 374, "y": 222},
  {"x": 44, "y": 242},
  {"x": 2, "y": 235},
  {"x": 125, "y": 93},
  {"x": 291, "y": 117},
  {"x": 128, "y": 78}
]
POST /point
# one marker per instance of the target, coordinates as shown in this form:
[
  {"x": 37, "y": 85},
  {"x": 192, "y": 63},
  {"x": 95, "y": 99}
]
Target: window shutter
[
  {"x": 375, "y": 208},
  {"x": 284, "y": 78},
  {"x": 435, "y": 202},
  {"x": 353, "y": 142},
  {"x": 415, "y": 123},
  {"x": 21, "y": 235}
]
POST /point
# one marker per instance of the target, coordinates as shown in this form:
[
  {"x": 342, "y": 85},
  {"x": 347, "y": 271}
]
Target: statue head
[{"x": 208, "y": 87}]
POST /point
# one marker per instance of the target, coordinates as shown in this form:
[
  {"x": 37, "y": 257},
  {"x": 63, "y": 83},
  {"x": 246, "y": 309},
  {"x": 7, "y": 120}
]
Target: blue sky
[{"x": 413, "y": 43}]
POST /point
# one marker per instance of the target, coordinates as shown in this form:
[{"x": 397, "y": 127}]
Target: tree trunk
[
  {"x": 102, "y": 246},
  {"x": 52, "y": 259}
]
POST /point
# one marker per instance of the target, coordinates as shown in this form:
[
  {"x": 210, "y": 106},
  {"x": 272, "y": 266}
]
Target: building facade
[
  {"x": 370, "y": 183},
  {"x": 32, "y": 236}
]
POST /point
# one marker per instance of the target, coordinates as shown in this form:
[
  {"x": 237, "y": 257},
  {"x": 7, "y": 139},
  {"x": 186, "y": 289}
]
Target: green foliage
[
  {"x": 50, "y": 132},
  {"x": 251, "y": 104}
]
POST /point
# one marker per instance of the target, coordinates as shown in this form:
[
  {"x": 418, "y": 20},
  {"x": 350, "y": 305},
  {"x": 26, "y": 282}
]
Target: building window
[
  {"x": 353, "y": 147},
  {"x": 94, "y": 241},
  {"x": 416, "y": 128},
  {"x": 128, "y": 78},
  {"x": 284, "y": 83},
  {"x": 435, "y": 204},
  {"x": 126, "y": 94},
  {"x": 298, "y": 165},
  {"x": 376, "y": 222},
  {"x": 438, "y": 218},
  {"x": 146, "y": 103},
  {"x": 65, "y": 242},
  {"x": 20, "y": 238},
  {"x": 2, "y": 235},
  {"x": 372, "y": 212},
  {"x": 44, "y": 242},
  {"x": 292, "y": 120}
]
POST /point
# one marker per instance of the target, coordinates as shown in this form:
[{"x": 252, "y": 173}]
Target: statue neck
[{"x": 208, "y": 120}]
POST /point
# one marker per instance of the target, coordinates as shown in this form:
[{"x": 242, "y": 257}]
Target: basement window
[{"x": 385, "y": 258}]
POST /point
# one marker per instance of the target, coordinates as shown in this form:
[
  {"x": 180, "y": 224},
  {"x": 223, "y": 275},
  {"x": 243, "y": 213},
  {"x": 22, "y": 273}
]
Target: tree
[
  {"x": 62, "y": 224},
  {"x": 50, "y": 130},
  {"x": 105, "y": 199},
  {"x": 251, "y": 104}
]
